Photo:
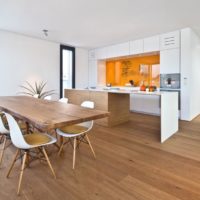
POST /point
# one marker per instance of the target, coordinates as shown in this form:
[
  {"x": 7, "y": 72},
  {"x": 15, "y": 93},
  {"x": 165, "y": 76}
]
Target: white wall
[
  {"x": 27, "y": 59},
  {"x": 195, "y": 81},
  {"x": 190, "y": 74},
  {"x": 81, "y": 68}
]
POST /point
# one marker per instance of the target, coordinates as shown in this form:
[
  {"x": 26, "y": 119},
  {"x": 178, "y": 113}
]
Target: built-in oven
[{"x": 171, "y": 83}]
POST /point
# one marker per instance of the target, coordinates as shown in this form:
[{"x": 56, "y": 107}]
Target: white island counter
[{"x": 117, "y": 102}]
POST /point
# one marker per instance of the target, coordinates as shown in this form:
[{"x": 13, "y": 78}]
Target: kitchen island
[{"x": 117, "y": 102}]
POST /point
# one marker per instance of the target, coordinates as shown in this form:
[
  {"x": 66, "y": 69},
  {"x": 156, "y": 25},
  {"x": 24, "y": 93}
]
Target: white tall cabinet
[
  {"x": 92, "y": 68},
  {"x": 170, "y": 61},
  {"x": 170, "y": 53},
  {"x": 92, "y": 73}
]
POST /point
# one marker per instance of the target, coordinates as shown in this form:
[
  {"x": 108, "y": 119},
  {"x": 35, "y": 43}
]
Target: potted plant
[{"x": 37, "y": 90}]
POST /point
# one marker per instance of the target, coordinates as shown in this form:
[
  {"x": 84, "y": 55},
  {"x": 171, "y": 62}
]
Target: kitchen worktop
[
  {"x": 117, "y": 102},
  {"x": 131, "y": 90}
]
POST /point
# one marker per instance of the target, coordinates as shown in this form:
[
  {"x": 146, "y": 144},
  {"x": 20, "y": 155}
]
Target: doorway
[{"x": 67, "y": 68}]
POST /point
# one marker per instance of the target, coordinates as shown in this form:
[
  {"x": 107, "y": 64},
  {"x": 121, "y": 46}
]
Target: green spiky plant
[{"x": 37, "y": 89}]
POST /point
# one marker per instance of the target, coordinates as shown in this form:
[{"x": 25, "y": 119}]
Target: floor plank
[{"x": 131, "y": 164}]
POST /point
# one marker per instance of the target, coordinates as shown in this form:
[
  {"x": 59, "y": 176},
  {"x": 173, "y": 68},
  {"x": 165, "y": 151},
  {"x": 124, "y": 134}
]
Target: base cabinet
[{"x": 149, "y": 104}]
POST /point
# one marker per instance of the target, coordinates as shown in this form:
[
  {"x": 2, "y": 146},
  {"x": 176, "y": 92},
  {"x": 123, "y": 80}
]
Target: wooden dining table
[{"x": 47, "y": 115}]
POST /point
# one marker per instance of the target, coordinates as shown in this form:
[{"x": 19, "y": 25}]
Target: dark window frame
[{"x": 64, "y": 47}]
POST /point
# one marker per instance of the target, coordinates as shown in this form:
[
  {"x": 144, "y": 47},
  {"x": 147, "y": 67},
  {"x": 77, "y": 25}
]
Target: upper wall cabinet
[
  {"x": 151, "y": 44},
  {"x": 101, "y": 53},
  {"x": 123, "y": 49},
  {"x": 170, "y": 61},
  {"x": 111, "y": 51},
  {"x": 118, "y": 50},
  {"x": 136, "y": 47},
  {"x": 170, "y": 40},
  {"x": 92, "y": 54}
]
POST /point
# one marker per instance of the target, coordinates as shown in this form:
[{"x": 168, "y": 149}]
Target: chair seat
[
  {"x": 71, "y": 131},
  {"x": 37, "y": 139}
]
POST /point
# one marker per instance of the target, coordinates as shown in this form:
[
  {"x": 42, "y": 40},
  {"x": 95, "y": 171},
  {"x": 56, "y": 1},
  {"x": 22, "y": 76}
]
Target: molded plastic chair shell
[
  {"x": 87, "y": 104},
  {"x": 63, "y": 100},
  {"x": 48, "y": 98},
  {"x": 18, "y": 138},
  {"x": 3, "y": 130},
  {"x": 88, "y": 124}
]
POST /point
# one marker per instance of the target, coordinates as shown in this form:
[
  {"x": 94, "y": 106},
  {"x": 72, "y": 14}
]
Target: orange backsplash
[{"x": 139, "y": 69}]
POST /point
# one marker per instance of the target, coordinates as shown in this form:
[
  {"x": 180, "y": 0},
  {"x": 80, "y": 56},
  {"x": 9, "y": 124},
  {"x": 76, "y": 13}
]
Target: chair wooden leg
[
  {"x": 1, "y": 138},
  {"x": 61, "y": 147},
  {"x": 21, "y": 173},
  {"x": 28, "y": 159},
  {"x": 12, "y": 165},
  {"x": 2, "y": 150},
  {"x": 90, "y": 145},
  {"x": 48, "y": 161},
  {"x": 61, "y": 140},
  {"x": 74, "y": 153}
]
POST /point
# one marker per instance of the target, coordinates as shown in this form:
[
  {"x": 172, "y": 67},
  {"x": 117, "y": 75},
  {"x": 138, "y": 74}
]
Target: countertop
[{"x": 133, "y": 90}]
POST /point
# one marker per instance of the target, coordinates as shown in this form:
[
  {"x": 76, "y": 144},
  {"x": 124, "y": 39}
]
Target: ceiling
[{"x": 95, "y": 23}]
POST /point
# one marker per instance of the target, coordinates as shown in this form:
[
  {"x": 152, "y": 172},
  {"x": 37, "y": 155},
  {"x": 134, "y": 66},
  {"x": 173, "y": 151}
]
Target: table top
[{"x": 46, "y": 115}]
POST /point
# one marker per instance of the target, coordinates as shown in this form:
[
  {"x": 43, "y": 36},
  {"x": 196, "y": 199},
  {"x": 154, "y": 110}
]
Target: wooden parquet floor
[{"x": 131, "y": 164}]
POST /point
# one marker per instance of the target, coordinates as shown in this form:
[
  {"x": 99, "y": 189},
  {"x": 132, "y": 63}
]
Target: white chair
[
  {"x": 36, "y": 96},
  {"x": 4, "y": 134},
  {"x": 49, "y": 98},
  {"x": 63, "y": 100},
  {"x": 25, "y": 143},
  {"x": 77, "y": 133}
]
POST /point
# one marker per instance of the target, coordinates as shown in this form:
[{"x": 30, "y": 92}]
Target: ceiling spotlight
[{"x": 45, "y": 32}]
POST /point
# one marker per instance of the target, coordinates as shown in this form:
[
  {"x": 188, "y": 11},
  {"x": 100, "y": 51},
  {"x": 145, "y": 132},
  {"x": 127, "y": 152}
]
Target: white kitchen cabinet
[
  {"x": 170, "y": 61},
  {"x": 170, "y": 40},
  {"x": 118, "y": 50},
  {"x": 122, "y": 49},
  {"x": 136, "y": 47},
  {"x": 151, "y": 44},
  {"x": 92, "y": 73},
  {"x": 92, "y": 54},
  {"x": 101, "y": 53},
  {"x": 111, "y": 51},
  {"x": 145, "y": 103}
]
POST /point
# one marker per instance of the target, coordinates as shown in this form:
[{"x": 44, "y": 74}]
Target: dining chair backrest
[
  {"x": 16, "y": 134},
  {"x": 2, "y": 127},
  {"x": 87, "y": 104},
  {"x": 48, "y": 98},
  {"x": 63, "y": 100},
  {"x": 36, "y": 96}
]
